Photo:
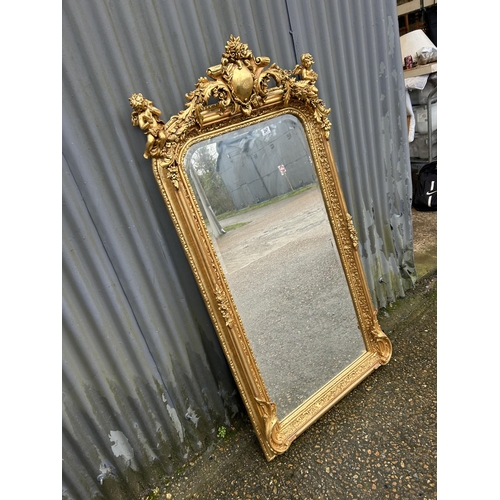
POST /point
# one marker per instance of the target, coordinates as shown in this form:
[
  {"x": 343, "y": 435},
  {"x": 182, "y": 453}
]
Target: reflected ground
[{"x": 290, "y": 290}]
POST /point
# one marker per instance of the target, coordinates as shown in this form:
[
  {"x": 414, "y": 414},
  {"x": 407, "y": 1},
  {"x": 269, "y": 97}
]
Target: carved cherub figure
[
  {"x": 146, "y": 117},
  {"x": 308, "y": 75}
]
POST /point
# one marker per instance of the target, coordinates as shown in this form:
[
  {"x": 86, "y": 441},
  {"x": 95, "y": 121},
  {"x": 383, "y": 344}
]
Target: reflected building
[{"x": 269, "y": 160}]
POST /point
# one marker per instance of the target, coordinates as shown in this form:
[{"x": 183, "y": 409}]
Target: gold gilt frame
[{"x": 239, "y": 86}]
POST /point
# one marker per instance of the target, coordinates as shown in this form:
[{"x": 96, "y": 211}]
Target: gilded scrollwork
[
  {"x": 383, "y": 344},
  {"x": 272, "y": 426}
]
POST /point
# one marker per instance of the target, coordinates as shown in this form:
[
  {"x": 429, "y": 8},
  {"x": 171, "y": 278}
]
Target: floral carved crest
[{"x": 239, "y": 85}]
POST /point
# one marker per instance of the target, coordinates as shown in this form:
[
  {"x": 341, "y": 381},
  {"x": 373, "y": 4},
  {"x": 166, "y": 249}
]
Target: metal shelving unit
[{"x": 430, "y": 137}]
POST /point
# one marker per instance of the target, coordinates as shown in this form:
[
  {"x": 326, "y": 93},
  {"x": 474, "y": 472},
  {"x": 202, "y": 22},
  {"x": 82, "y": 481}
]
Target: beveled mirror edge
[{"x": 238, "y": 106}]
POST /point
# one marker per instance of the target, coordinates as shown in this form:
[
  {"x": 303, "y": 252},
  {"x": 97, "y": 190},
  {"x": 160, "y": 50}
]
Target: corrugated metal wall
[
  {"x": 356, "y": 48},
  {"x": 145, "y": 383}
]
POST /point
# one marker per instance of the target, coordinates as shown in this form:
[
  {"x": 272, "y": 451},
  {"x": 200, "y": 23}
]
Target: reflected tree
[{"x": 204, "y": 162}]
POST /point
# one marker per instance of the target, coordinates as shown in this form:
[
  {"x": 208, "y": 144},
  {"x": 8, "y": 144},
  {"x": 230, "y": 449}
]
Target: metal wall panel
[
  {"x": 144, "y": 378},
  {"x": 357, "y": 54},
  {"x": 145, "y": 383}
]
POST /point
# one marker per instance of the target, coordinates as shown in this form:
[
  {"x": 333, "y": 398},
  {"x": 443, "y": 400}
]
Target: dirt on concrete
[
  {"x": 379, "y": 442},
  {"x": 424, "y": 241}
]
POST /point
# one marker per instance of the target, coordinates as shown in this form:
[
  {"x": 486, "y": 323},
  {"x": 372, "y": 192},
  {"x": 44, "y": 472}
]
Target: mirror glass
[{"x": 258, "y": 192}]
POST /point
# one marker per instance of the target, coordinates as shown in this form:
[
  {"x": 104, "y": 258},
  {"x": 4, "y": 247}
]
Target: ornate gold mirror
[{"x": 248, "y": 177}]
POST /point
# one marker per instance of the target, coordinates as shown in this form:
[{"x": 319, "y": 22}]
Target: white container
[
  {"x": 419, "y": 97},
  {"x": 412, "y": 42},
  {"x": 420, "y": 113}
]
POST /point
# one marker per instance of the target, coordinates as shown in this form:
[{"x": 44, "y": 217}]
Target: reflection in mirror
[{"x": 258, "y": 191}]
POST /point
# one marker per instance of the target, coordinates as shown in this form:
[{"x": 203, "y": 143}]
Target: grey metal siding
[
  {"x": 145, "y": 383},
  {"x": 140, "y": 358},
  {"x": 357, "y": 53}
]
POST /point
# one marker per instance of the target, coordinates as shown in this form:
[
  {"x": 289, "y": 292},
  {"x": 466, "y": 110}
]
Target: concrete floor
[
  {"x": 379, "y": 442},
  {"x": 424, "y": 241}
]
